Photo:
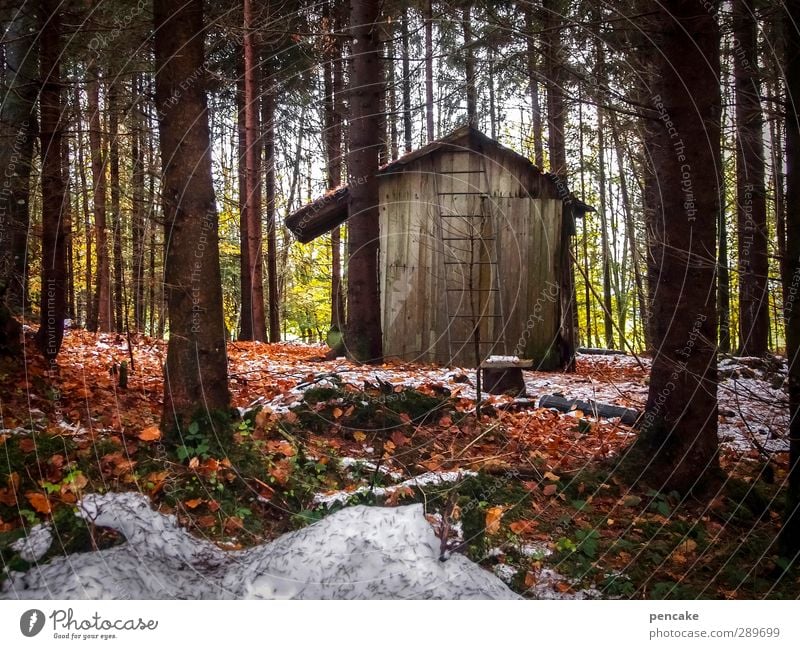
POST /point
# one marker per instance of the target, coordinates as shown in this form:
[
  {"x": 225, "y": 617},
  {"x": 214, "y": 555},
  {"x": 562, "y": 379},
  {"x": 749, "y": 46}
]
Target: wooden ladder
[{"x": 469, "y": 246}]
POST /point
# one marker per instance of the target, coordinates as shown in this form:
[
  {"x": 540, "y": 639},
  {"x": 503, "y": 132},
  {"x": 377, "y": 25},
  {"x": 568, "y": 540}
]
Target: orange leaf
[
  {"x": 39, "y": 502},
  {"x": 194, "y": 503},
  {"x": 493, "y": 516},
  {"x": 549, "y": 489},
  {"x": 281, "y": 472},
  {"x": 445, "y": 421},
  {"x": 399, "y": 439},
  {"x": 26, "y": 445},
  {"x": 8, "y": 497},
  {"x": 522, "y": 527},
  {"x": 530, "y": 580},
  {"x": 337, "y": 412},
  {"x": 359, "y": 436},
  {"x": 150, "y": 434}
]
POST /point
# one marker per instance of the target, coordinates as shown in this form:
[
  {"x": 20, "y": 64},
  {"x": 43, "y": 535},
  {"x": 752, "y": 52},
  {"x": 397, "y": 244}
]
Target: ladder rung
[
  {"x": 465, "y": 216},
  {"x": 463, "y": 194},
  {"x": 482, "y": 342},
  {"x": 473, "y": 290},
  {"x": 474, "y": 263},
  {"x": 490, "y": 315},
  {"x": 467, "y": 238}
]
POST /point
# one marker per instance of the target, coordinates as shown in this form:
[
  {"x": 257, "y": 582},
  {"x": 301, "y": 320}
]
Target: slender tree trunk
[
  {"x": 53, "y": 293},
  {"x": 268, "y": 124},
  {"x": 246, "y": 286},
  {"x": 678, "y": 439},
  {"x": 608, "y": 322},
  {"x": 101, "y": 312},
  {"x": 406, "y": 84},
  {"x": 195, "y": 373},
  {"x": 790, "y": 531},
  {"x": 533, "y": 81},
  {"x": 137, "y": 205},
  {"x": 83, "y": 190},
  {"x": 556, "y": 115},
  {"x": 469, "y": 69},
  {"x": 68, "y": 214},
  {"x": 391, "y": 110},
  {"x": 751, "y": 195},
  {"x": 429, "y": 71},
  {"x": 363, "y": 337},
  {"x": 17, "y": 132},
  {"x": 332, "y": 75},
  {"x": 253, "y": 146},
  {"x": 116, "y": 216}
]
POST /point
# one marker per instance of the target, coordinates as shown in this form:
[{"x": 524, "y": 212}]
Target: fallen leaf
[
  {"x": 530, "y": 579},
  {"x": 150, "y": 434},
  {"x": 399, "y": 439},
  {"x": 548, "y": 475},
  {"x": 359, "y": 436},
  {"x": 8, "y": 497},
  {"x": 281, "y": 446},
  {"x": 549, "y": 489},
  {"x": 523, "y": 527},
  {"x": 194, "y": 503},
  {"x": 26, "y": 445},
  {"x": 337, "y": 412},
  {"x": 39, "y": 502},
  {"x": 493, "y": 516},
  {"x": 281, "y": 471}
]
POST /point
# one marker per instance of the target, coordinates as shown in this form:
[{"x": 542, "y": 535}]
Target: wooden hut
[{"x": 474, "y": 254}]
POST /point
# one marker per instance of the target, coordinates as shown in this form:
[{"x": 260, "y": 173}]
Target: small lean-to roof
[{"x": 330, "y": 210}]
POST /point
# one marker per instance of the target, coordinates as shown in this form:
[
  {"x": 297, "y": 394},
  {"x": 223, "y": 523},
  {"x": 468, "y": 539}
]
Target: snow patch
[
  {"x": 35, "y": 544},
  {"x": 357, "y": 553}
]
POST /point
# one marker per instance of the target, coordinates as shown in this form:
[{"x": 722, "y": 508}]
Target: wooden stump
[{"x": 504, "y": 377}]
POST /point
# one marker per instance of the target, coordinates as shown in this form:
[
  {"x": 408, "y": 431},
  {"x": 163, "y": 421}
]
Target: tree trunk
[
  {"x": 751, "y": 196},
  {"x": 363, "y": 337},
  {"x": 407, "y": 126},
  {"x": 253, "y": 146},
  {"x": 469, "y": 69},
  {"x": 790, "y": 531},
  {"x": 246, "y": 288},
  {"x": 137, "y": 205},
  {"x": 116, "y": 216},
  {"x": 608, "y": 322},
  {"x": 101, "y": 313},
  {"x": 83, "y": 190},
  {"x": 17, "y": 132},
  {"x": 429, "y": 71},
  {"x": 678, "y": 441},
  {"x": 556, "y": 115},
  {"x": 268, "y": 124},
  {"x": 332, "y": 76},
  {"x": 533, "y": 81},
  {"x": 195, "y": 373},
  {"x": 53, "y": 293}
]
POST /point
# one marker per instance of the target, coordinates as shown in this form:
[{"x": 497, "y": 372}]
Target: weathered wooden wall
[{"x": 428, "y": 265}]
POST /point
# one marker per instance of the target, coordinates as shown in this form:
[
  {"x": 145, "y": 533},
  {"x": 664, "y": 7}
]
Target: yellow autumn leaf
[
  {"x": 549, "y": 475},
  {"x": 493, "y": 516},
  {"x": 359, "y": 436},
  {"x": 337, "y": 412}
]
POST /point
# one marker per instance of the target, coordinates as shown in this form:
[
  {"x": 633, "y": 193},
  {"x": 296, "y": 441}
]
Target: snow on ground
[
  {"x": 357, "y": 553},
  {"x": 431, "y": 477},
  {"x": 35, "y": 544}
]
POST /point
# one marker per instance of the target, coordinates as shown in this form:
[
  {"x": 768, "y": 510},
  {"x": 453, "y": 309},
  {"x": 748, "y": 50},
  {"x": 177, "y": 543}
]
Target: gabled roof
[{"x": 330, "y": 210}]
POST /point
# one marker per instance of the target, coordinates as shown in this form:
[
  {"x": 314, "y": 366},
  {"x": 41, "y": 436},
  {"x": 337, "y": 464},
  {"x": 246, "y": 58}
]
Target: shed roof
[{"x": 330, "y": 210}]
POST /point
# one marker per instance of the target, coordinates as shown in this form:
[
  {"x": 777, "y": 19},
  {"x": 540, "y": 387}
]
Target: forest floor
[{"x": 528, "y": 493}]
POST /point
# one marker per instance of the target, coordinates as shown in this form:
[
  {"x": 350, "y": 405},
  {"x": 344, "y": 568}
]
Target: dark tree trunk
[
  {"x": 751, "y": 197},
  {"x": 469, "y": 69},
  {"x": 723, "y": 279},
  {"x": 101, "y": 312},
  {"x": 253, "y": 146},
  {"x": 268, "y": 124},
  {"x": 246, "y": 287},
  {"x": 790, "y": 532},
  {"x": 17, "y": 132},
  {"x": 195, "y": 373},
  {"x": 83, "y": 190},
  {"x": 407, "y": 126},
  {"x": 556, "y": 115},
  {"x": 68, "y": 214},
  {"x": 533, "y": 81},
  {"x": 53, "y": 292},
  {"x": 363, "y": 337},
  {"x": 678, "y": 439},
  {"x": 137, "y": 205},
  {"x": 608, "y": 321},
  {"x": 332, "y": 75},
  {"x": 431, "y": 132},
  {"x": 116, "y": 216}
]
